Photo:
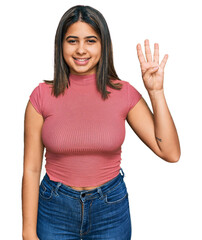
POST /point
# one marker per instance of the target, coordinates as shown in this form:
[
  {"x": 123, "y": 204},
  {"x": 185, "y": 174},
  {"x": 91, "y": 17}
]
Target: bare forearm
[
  {"x": 30, "y": 193},
  {"x": 165, "y": 131}
]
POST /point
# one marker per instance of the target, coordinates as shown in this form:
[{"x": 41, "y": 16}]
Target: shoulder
[
  {"x": 126, "y": 86},
  {"x": 44, "y": 87},
  {"x": 122, "y": 82},
  {"x": 41, "y": 89},
  {"x": 45, "y": 84}
]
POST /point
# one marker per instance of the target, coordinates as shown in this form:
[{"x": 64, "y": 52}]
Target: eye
[
  {"x": 74, "y": 41},
  {"x": 91, "y": 41},
  {"x": 71, "y": 41}
]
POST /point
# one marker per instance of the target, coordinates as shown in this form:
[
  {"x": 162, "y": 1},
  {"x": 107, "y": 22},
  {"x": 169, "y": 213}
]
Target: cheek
[
  {"x": 97, "y": 52},
  {"x": 67, "y": 50},
  {"x": 67, "y": 54}
]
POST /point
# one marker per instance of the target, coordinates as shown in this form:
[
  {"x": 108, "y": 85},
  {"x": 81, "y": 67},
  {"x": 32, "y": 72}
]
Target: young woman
[{"x": 79, "y": 118}]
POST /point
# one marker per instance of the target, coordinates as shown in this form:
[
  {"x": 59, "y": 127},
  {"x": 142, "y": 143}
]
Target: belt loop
[
  {"x": 100, "y": 192},
  {"x": 56, "y": 188},
  {"x": 123, "y": 174}
]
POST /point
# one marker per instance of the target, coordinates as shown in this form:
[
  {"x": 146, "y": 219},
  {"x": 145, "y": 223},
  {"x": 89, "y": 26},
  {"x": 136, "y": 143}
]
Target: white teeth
[{"x": 81, "y": 60}]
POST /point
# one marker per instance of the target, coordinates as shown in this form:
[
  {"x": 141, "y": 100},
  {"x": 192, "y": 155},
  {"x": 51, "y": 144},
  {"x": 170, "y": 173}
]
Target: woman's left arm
[{"x": 157, "y": 130}]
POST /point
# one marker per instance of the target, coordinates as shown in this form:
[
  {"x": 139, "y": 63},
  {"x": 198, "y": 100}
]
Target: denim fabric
[{"x": 105, "y": 213}]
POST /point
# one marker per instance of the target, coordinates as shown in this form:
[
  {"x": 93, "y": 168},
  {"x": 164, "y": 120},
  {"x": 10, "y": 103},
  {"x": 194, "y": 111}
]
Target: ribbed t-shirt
[{"x": 81, "y": 132}]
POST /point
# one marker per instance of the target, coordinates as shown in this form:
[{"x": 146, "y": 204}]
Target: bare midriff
[{"x": 84, "y": 188}]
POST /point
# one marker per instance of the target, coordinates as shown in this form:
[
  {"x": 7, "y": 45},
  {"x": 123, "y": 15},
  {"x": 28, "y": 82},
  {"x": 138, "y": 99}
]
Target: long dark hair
[{"x": 105, "y": 67}]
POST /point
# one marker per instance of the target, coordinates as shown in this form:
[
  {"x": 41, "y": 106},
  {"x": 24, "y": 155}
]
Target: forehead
[{"x": 81, "y": 29}]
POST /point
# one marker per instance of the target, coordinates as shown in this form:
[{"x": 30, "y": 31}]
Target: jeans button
[{"x": 83, "y": 194}]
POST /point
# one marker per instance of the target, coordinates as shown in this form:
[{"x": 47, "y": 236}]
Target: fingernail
[{"x": 154, "y": 68}]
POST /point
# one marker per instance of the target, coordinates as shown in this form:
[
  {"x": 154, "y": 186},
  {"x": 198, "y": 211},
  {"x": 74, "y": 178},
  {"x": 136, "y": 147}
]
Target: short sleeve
[
  {"x": 35, "y": 99},
  {"x": 133, "y": 96}
]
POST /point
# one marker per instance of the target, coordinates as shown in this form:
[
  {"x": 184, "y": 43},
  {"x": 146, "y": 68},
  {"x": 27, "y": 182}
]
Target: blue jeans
[{"x": 105, "y": 213}]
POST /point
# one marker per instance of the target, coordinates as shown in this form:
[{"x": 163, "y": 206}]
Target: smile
[{"x": 81, "y": 61}]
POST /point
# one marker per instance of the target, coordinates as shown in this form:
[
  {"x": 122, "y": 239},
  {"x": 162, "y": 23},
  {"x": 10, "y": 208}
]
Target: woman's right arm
[{"x": 33, "y": 157}]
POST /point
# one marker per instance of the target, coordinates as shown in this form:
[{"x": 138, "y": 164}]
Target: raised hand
[{"x": 152, "y": 77}]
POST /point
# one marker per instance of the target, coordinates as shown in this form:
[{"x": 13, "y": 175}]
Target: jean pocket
[
  {"x": 45, "y": 191},
  {"x": 117, "y": 194}
]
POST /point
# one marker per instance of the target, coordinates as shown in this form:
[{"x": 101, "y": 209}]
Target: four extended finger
[
  {"x": 156, "y": 53},
  {"x": 147, "y": 50},
  {"x": 149, "y": 55},
  {"x": 140, "y": 54},
  {"x": 164, "y": 60}
]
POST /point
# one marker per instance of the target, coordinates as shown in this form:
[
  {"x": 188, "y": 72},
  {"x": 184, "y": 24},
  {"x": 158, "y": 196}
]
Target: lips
[{"x": 81, "y": 61}]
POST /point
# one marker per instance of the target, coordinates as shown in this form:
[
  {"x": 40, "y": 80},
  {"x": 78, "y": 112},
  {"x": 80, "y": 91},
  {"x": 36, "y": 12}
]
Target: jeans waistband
[{"x": 85, "y": 194}]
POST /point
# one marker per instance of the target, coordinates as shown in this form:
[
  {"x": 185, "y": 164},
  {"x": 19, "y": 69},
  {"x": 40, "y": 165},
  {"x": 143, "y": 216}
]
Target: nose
[{"x": 81, "y": 48}]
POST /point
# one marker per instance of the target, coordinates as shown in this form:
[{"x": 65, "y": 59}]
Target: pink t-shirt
[{"x": 82, "y": 133}]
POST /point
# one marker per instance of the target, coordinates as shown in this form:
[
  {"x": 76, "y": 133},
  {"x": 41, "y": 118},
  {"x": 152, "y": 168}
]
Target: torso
[
  {"x": 81, "y": 188},
  {"x": 84, "y": 188}
]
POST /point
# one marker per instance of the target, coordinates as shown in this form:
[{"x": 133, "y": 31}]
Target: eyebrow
[{"x": 85, "y": 37}]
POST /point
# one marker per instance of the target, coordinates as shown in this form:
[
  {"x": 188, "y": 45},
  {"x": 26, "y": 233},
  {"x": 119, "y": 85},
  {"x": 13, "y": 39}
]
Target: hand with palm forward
[{"x": 152, "y": 78}]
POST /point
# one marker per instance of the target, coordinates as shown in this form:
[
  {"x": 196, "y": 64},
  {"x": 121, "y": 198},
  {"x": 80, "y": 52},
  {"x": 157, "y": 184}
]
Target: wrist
[
  {"x": 156, "y": 92},
  {"x": 29, "y": 235}
]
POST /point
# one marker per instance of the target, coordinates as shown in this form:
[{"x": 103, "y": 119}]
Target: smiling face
[{"x": 81, "y": 48}]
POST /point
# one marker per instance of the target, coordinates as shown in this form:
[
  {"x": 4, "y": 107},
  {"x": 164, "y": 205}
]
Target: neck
[{"x": 83, "y": 79}]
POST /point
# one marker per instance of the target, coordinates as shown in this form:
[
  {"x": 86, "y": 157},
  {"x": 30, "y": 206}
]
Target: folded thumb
[{"x": 154, "y": 68}]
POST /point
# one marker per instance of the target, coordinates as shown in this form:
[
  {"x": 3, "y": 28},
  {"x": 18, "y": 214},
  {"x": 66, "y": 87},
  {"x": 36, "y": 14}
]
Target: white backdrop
[{"x": 165, "y": 198}]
